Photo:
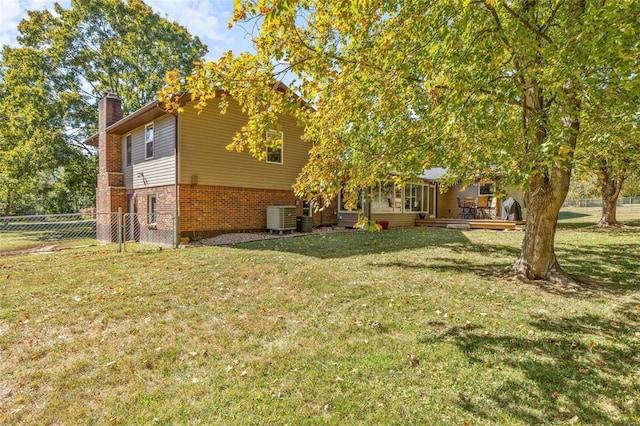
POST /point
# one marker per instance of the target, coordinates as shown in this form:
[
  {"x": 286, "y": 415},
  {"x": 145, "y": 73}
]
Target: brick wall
[
  {"x": 110, "y": 194},
  {"x": 210, "y": 210},
  {"x": 165, "y": 199}
]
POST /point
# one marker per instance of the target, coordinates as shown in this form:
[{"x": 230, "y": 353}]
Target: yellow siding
[
  {"x": 395, "y": 219},
  {"x": 202, "y": 141},
  {"x": 448, "y": 203}
]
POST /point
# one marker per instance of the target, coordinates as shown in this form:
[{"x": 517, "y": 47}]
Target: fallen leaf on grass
[{"x": 413, "y": 360}]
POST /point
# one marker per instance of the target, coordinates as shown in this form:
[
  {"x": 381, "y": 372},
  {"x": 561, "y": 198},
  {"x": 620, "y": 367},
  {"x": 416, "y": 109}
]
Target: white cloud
[
  {"x": 207, "y": 19},
  {"x": 13, "y": 11}
]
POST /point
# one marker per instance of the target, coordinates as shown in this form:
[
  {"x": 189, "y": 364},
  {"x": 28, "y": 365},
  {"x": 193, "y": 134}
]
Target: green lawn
[
  {"x": 585, "y": 216},
  {"x": 318, "y": 329}
]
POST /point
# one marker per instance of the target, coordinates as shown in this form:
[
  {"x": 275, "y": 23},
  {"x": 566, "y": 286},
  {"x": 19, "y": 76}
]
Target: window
[
  {"x": 128, "y": 149},
  {"x": 307, "y": 208},
  {"x": 152, "y": 208},
  {"x": 148, "y": 141},
  {"x": 343, "y": 208},
  {"x": 386, "y": 198},
  {"x": 274, "y": 153},
  {"x": 412, "y": 198},
  {"x": 431, "y": 200},
  {"x": 487, "y": 188}
]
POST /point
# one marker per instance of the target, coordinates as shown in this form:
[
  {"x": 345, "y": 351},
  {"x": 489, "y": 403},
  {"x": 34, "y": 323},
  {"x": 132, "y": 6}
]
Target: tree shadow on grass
[
  {"x": 614, "y": 267},
  {"x": 582, "y": 367},
  {"x": 448, "y": 265},
  {"x": 343, "y": 245},
  {"x": 564, "y": 215},
  {"x": 605, "y": 268}
]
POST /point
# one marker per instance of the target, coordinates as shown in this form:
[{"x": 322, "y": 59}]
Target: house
[
  {"x": 402, "y": 206},
  {"x": 173, "y": 172},
  {"x": 152, "y": 162}
]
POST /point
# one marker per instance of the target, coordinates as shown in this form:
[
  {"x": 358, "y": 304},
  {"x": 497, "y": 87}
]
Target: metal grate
[{"x": 157, "y": 229}]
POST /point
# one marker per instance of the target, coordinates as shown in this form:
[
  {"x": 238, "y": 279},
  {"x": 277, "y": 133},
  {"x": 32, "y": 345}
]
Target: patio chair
[
  {"x": 466, "y": 211},
  {"x": 483, "y": 207}
]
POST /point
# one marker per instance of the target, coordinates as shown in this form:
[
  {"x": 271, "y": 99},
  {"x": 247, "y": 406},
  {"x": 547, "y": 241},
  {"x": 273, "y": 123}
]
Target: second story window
[
  {"x": 148, "y": 141},
  {"x": 128, "y": 150},
  {"x": 274, "y": 153}
]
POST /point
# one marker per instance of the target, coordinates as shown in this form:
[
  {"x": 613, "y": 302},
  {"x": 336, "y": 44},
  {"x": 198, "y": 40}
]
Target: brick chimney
[{"x": 111, "y": 193}]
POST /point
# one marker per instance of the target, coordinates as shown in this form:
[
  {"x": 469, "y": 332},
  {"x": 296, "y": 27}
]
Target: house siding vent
[{"x": 281, "y": 218}]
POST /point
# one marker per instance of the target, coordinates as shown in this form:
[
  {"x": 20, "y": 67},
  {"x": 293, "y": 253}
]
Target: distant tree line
[{"x": 65, "y": 60}]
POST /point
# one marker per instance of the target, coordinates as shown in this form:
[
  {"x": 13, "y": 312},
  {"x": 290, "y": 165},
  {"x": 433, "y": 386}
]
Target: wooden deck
[{"x": 473, "y": 223}]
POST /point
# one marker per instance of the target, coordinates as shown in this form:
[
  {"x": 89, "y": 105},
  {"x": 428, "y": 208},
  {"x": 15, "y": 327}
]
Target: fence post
[
  {"x": 125, "y": 229},
  {"x": 176, "y": 229},
  {"x": 119, "y": 249}
]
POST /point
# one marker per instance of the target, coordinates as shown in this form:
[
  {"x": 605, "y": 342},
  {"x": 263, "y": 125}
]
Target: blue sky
[{"x": 207, "y": 19}]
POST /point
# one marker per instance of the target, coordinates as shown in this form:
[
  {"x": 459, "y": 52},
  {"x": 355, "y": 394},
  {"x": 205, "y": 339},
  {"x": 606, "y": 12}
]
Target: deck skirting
[{"x": 473, "y": 223}]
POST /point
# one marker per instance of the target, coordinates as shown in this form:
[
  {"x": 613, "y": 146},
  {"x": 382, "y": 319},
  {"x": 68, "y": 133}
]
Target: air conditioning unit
[{"x": 281, "y": 218}]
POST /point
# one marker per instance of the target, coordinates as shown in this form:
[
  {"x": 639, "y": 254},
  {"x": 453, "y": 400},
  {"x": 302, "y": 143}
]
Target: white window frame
[
  {"x": 148, "y": 142},
  {"x": 128, "y": 150},
  {"x": 358, "y": 207},
  {"x": 281, "y": 135},
  {"x": 404, "y": 196},
  {"x": 152, "y": 208},
  {"x": 394, "y": 198},
  {"x": 491, "y": 184}
]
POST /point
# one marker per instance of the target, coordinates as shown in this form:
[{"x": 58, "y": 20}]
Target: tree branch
[{"x": 527, "y": 23}]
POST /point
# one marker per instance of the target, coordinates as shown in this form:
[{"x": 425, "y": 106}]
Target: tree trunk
[
  {"x": 610, "y": 192},
  {"x": 7, "y": 206},
  {"x": 548, "y": 187},
  {"x": 544, "y": 199}
]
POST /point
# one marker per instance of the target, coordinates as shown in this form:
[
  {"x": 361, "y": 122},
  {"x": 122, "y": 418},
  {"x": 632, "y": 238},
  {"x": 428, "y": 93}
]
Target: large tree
[
  {"x": 612, "y": 155},
  {"x": 50, "y": 83},
  {"x": 482, "y": 87}
]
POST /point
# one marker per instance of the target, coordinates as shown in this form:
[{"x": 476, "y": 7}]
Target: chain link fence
[
  {"x": 128, "y": 232},
  {"x": 629, "y": 202},
  {"x": 589, "y": 210}
]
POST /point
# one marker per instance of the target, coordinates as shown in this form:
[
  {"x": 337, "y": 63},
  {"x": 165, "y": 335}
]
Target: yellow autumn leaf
[{"x": 563, "y": 150}]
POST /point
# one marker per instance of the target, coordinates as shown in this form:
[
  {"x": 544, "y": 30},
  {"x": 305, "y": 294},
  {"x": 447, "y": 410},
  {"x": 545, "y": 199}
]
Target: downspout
[
  {"x": 177, "y": 210},
  {"x": 177, "y": 174}
]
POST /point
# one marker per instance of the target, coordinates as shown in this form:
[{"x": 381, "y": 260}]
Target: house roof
[
  {"x": 148, "y": 113},
  {"x": 433, "y": 174}
]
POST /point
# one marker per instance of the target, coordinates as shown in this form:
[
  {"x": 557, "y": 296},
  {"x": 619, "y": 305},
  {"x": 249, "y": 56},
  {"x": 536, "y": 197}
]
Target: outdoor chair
[{"x": 466, "y": 211}]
